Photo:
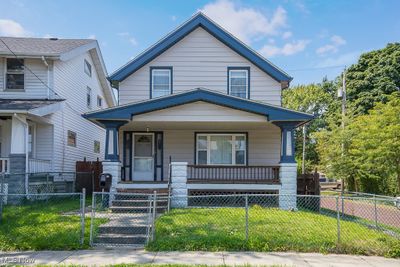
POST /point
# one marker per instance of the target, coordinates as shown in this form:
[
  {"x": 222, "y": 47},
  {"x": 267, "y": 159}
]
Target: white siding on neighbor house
[
  {"x": 44, "y": 142},
  {"x": 264, "y": 141},
  {"x": 200, "y": 60},
  {"x": 34, "y": 88},
  {"x": 199, "y": 111},
  {"x": 71, "y": 83}
]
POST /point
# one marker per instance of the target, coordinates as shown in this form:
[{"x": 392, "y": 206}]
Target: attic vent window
[
  {"x": 15, "y": 77},
  {"x": 88, "y": 68}
]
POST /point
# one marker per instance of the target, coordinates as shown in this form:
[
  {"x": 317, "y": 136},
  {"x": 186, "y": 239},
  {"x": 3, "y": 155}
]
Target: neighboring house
[
  {"x": 210, "y": 105},
  {"x": 45, "y": 86}
]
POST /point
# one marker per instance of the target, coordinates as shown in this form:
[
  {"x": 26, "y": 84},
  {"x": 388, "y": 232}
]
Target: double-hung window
[
  {"x": 221, "y": 149},
  {"x": 161, "y": 81},
  {"x": 238, "y": 82},
  {"x": 15, "y": 74}
]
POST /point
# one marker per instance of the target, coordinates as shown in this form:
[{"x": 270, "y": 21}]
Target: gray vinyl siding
[
  {"x": 44, "y": 142},
  {"x": 200, "y": 60},
  {"x": 34, "y": 88},
  {"x": 71, "y": 83},
  {"x": 263, "y": 143}
]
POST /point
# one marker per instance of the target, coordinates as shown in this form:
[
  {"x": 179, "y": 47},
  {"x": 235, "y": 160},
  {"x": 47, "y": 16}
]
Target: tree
[
  {"x": 375, "y": 76},
  {"x": 314, "y": 99}
]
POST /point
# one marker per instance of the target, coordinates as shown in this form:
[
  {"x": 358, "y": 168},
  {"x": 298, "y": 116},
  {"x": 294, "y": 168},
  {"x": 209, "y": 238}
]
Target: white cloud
[
  {"x": 333, "y": 47},
  {"x": 243, "y": 22},
  {"x": 12, "y": 28},
  {"x": 286, "y": 50},
  {"x": 128, "y": 37},
  {"x": 342, "y": 60},
  {"x": 92, "y": 36},
  {"x": 287, "y": 35}
]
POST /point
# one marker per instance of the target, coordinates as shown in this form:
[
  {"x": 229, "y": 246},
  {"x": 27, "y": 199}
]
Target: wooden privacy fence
[
  {"x": 88, "y": 176},
  {"x": 308, "y": 184}
]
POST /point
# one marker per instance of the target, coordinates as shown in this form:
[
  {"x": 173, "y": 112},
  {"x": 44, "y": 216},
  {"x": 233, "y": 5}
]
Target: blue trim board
[
  {"x": 248, "y": 79},
  {"x": 161, "y": 68},
  {"x": 123, "y": 114},
  {"x": 199, "y": 20}
]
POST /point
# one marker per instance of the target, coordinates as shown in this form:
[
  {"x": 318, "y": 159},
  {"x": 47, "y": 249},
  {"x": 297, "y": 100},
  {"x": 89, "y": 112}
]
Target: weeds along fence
[
  {"x": 46, "y": 182},
  {"x": 42, "y": 221}
]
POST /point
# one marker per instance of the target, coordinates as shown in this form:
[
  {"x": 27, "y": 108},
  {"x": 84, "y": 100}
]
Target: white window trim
[
  {"x": 247, "y": 79},
  {"x": 89, "y": 72},
  {"x": 5, "y": 76},
  {"x": 101, "y": 100},
  {"x": 89, "y": 92},
  {"x": 233, "y": 135},
  {"x": 152, "y": 79}
]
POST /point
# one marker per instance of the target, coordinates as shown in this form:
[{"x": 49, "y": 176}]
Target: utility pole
[
  {"x": 303, "y": 162},
  {"x": 343, "y": 116}
]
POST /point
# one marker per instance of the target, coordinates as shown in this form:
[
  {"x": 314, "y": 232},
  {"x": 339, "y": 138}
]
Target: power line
[{"x": 37, "y": 77}]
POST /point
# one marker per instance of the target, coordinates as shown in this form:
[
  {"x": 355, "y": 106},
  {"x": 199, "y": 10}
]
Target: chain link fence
[
  {"x": 46, "y": 182},
  {"x": 125, "y": 219},
  {"x": 258, "y": 222},
  {"x": 42, "y": 221}
]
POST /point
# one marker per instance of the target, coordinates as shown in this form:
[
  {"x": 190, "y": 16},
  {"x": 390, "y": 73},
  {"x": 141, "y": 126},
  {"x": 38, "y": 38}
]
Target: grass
[
  {"x": 223, "y": 229},
  {"x": 37, "y": 225}
]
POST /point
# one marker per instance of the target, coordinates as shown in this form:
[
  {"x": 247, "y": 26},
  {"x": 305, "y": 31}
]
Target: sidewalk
[{"x": 116, "y": 256}]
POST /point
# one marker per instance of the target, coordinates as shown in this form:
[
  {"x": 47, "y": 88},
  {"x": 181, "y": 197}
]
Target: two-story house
[
  {"x": 45, "y": 86},
  {"x": 202, "y": 111}
]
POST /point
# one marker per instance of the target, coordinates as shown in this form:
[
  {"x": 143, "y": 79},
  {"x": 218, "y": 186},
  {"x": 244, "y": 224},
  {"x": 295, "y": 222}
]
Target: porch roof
[
  {"x": 38, "y": 107},
  {"x": 126, "y": 112}
]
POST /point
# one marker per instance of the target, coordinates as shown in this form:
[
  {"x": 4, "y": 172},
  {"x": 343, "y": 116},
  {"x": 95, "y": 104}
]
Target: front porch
[{"x": 201, "y": 140}]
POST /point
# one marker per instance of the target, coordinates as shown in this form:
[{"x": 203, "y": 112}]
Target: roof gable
[
  {"x": 126, "y": 112},
  {"x": 199, "y": 20}
]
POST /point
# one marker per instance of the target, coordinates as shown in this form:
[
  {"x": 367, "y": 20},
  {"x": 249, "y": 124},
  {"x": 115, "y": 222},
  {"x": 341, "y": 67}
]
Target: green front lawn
[
  {"x": 37, "y": 225},
  {"x": 270, "y": 229}
]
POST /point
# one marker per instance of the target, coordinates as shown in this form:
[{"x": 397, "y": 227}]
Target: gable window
[
  {"x": 221, "y": 149},
  {"x": 88, "y": 97},
  {"x": 161, "y": 81},
  {"x": 238, "y": 82},
  {"x": 88, "y": 68},
  {"x": 71, "y": 138},
  {"x": 99, "y": 101},
  {"x": 15, "y": 74},
  {"x": 96, "y": 146}
]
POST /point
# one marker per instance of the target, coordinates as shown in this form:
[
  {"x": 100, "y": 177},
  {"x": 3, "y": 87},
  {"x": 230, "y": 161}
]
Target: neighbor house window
[
  {"x": 96, "y": 147},
  {"x": 238, "y": 82},
  {"x": 161, "y": 81},
  {"x": 88, "y": 68},
  {"x": 15, "y": 74},
  {"x": 71, "y": 138},
  {"x": 99, "y": 101},
  {"x": 88, "y": 97},
  {"x": 221, "y": 149}
]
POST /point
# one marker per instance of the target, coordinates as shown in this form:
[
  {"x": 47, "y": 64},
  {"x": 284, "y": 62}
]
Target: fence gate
[{"x": 124, "y": 219}]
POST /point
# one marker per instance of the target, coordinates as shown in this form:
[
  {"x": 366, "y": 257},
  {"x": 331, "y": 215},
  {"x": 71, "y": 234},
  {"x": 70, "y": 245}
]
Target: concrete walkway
[{"x": 116, "y": 256}]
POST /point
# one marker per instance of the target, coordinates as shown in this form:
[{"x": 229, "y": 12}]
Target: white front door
[{"x": 143, "y": 157}]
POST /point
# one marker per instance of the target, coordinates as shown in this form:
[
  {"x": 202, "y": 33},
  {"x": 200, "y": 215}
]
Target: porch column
[
  {"x": 18, "y": 180},
  {"x": 179, "y": 184},
  {"x": 111, "y": 163},
  {"x": 287, "y": 166}
]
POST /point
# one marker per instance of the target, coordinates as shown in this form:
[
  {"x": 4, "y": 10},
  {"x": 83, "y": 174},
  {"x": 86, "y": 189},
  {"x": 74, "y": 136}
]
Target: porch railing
[
  {"x": 4, "y": 165},
  {"x": 233, "y": 174},
  {"x": 39, "y": 165}
]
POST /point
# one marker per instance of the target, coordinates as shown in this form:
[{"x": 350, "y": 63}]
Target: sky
[{"x": 307, "y": 39}]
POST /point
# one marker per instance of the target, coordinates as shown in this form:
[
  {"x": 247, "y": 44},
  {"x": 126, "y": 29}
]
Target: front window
[
  {"x": 238, "y": 82},
  {"x": 15, "y": 74},
  {"x": 221, "y": 149},
  {"x": 161, "y": 82}
]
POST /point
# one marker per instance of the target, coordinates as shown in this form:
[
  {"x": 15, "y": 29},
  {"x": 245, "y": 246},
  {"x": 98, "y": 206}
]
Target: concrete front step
[
  {"x": 137, "y": 202},
  {"x": 116, "y": 239},
  {"x": 119, "y": 209},
  {"x": 123, "y": 230}
]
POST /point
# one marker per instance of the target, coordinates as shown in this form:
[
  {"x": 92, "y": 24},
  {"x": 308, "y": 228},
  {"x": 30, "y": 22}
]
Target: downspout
[
  {"x": 26, "y": 151},
  {"x": 48, "y": 76}
]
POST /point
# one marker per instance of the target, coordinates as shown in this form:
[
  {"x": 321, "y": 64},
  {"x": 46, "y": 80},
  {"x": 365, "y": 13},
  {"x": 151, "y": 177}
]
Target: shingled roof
[{"x": 40, "y": 46}]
